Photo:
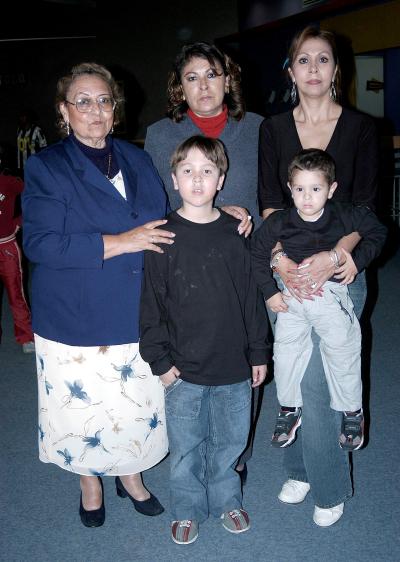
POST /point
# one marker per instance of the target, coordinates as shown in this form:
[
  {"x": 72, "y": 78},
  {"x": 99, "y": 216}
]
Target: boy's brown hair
[
  {"x": 213, "y": 150},
  {"x": 313, "y": 160}
]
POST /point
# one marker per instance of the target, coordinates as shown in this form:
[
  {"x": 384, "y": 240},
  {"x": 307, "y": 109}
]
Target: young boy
[
  {"x": 203, "y": 323},
  {"x": 313, "y": 225}
]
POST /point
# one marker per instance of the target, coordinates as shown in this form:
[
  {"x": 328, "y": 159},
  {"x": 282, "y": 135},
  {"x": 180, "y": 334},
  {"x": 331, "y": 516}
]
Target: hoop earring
[
  {"x": 332, "y": 92},
  {"x": 293, "y": 93}
]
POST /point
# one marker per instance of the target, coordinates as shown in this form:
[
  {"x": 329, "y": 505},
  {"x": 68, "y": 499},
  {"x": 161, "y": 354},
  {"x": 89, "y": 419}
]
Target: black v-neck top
[{"x": 353, "y": 146}]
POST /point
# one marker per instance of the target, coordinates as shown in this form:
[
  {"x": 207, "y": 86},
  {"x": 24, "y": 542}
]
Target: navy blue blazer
[{"x": 77, "y": 297}]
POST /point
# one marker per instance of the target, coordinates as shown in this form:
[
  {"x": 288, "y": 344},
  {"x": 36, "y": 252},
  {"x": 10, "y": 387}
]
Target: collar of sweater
[
  {"x": 231, "y": 131},
  {"x": 210, "y": 126}
]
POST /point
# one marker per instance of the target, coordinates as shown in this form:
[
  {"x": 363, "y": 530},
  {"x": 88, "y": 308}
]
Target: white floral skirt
[{"x": 101, "y": 411}]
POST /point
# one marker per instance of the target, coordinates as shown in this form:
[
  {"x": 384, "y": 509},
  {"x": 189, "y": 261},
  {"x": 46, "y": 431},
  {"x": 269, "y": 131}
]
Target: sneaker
[
  {"x": 352, "y": 434},
  {"x": 327, "y": 517},
  {"x": 28, "y": 347},
  {"x": 286, "y": 427},
  {"x": 236, "y": 521},
  {"x": 293, "y": 491},
  {"x": 185, "y": 531}
]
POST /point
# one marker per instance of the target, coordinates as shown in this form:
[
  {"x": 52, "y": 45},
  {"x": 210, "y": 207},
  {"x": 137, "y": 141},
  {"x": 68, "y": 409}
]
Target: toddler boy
[{"x": 313, "y": 225}]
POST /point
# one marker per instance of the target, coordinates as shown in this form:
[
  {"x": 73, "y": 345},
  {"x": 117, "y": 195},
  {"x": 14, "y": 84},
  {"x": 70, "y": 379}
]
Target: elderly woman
[
  {"x": 91, "y": 206},
  {"x": 315, "y": 461},
  {"x": 205, "y": 97}
]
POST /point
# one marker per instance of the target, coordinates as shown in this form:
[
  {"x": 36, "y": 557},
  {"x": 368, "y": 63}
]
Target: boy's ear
[
  {"x": 290, "y": 188},
  {"x": 332, "y": 190},
  {"x": 175, "y": 182},
  {"x": 220, "y": 182}
]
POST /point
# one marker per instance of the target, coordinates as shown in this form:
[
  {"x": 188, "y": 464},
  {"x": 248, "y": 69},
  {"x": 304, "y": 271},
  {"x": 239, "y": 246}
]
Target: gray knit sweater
[{"x": 241, "y": 142}]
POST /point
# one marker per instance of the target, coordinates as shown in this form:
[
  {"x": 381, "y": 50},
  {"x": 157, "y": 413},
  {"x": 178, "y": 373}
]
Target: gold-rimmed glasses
[{"x": 86, "y": 104}]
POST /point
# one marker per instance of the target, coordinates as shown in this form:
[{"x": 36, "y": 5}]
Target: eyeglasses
[{"x": 85, "y": 105}]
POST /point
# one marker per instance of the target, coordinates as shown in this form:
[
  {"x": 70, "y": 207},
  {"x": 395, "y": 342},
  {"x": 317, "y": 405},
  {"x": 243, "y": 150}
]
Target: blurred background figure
[
  {"x": 10, "y": 253},
  {"x": 30, "y": 138}
]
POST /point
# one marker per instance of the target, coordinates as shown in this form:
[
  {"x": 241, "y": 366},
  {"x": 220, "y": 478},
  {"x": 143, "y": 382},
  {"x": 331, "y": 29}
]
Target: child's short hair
[
  {"x": 213, "y": 150},
  {"x": 313, "y": 160}
]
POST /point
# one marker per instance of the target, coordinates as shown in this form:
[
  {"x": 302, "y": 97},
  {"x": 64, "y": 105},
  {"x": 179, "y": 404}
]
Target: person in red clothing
[{"x": 10, "y": 256}]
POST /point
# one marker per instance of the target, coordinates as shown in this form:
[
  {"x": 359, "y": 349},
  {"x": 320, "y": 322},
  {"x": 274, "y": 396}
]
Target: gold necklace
[{"x": 109, "y": 167}]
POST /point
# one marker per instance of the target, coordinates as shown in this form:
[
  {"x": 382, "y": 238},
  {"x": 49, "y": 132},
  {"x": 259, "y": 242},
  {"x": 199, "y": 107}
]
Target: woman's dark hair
[
  {"x": 313, "y": 160},
  {"x": 213, "y": 150},
  {"x": 177, "y": 106},
  {"x": 312, "y": 32},
  {"x": 86, "y": 68}
]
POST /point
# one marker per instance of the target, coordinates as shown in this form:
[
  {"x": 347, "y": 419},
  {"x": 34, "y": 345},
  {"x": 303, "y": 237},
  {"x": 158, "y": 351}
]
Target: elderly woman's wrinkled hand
[{"x": 147, "y": 237}]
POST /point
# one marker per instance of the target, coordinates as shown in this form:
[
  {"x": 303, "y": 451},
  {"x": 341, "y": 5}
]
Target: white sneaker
[
  {"x": 329, "y": 516},
  {"x": 28, "y": 347},
  {"x": 294, "y": 491}
]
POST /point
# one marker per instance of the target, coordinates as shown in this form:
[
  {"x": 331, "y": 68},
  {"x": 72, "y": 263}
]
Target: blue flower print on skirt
[{"x": 101, "y": 411}]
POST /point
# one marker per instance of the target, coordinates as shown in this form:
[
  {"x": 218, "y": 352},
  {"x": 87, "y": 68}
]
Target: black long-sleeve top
[
  {"x": 201, "y": 310},
  {"x": 353, "y": 146},
  {"x": 301, "y": 239}
]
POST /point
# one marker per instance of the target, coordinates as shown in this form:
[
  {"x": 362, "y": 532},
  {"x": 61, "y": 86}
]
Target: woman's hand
[
  {"x": 145, "y": 237},
  {"x": 314, "y": 271},
  {"x": 348, "y": 271},
  {"x": 295, "y": 284},
  {"x": 170, "y": 376},
  {"x": 246, "y": 225}
]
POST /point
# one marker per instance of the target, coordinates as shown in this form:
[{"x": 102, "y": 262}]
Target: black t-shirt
[{"x": 201, "y": 310}]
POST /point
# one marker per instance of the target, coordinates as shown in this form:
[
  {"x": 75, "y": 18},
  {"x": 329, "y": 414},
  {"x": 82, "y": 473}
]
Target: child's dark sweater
[
  {"x": 201, "y": 310},
  {"x": 301, "y": 239}
]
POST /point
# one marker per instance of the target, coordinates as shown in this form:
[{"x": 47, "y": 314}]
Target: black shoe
[
  {"x": 243, "y": 475},
  {"x": 151, "y": 506},
  {"x": 94, "y": 517}
]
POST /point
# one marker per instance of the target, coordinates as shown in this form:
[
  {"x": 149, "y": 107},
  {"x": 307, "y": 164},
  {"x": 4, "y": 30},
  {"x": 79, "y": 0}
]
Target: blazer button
[{"x": 134, "y": 215}]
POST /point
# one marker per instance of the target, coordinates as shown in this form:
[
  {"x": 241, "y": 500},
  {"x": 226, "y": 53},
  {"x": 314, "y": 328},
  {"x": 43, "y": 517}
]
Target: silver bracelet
[
  {"x": 276, "y": 256},
  {"x": 334, "y": 258}
]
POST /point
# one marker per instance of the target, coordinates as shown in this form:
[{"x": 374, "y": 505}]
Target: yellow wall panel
[{"x": 370, "y": 29}]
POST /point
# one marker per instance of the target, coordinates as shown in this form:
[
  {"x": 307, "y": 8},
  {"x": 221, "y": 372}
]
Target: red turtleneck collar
[{"x": 210, "y": 126}]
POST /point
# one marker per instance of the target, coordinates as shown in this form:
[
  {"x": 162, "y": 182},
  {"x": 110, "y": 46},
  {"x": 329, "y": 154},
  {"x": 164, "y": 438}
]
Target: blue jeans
[
  {"x": 315, "y": 456},
  {"x": 208, "y": 428}
]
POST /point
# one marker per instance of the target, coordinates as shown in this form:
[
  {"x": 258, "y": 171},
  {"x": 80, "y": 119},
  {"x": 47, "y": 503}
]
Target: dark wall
[{"x": 138, "y": 49}]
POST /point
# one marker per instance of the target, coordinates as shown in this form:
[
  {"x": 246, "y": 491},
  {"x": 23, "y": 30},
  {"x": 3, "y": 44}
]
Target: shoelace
[
  {"x": 235, "y": 513},
  {"x": 185, "y": 523}
]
